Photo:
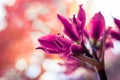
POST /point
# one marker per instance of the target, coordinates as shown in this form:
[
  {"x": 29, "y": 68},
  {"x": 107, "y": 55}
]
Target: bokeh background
[{"x": 22, "y": 22}]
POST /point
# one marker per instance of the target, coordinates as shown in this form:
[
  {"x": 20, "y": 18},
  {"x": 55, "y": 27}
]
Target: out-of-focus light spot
[
  {"x": 64, "y": 76},
  {"x": 37, "y": 58},
  {"x": 60, "y": 6},
  {"x": 11, "y": 74},
  {"x": 41, "y": 28},
  {"x": 34, "y": 10},
  {"x": 80, "y": 71},
  {"x": 10, "y": 2},
  {"x": 53, "y": 66},
  {"x": 34, "y": 38},
  {"x": 21, "y": 65},
  {"x": 116, "y": 49},
  {"x": 39, "y": 25},
  {"x": 69, "y": 0},
  {"x": 43, "y": 10},
  {"x": 33, "y": 71},
  {"x": 49, "y": 76}
]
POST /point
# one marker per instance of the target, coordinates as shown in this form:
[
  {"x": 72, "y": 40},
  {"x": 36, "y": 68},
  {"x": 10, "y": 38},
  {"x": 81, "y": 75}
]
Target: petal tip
[{"x": 80, "y": 5}]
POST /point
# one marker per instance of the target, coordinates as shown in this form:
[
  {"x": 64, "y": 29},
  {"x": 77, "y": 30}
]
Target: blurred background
[{"x": 22, "y": 22}]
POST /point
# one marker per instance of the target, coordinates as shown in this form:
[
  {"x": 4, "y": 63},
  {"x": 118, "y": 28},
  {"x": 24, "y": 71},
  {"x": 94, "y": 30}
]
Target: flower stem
[
  {"x": 102, "y": 75},
  {"x": 100, "y": 68}
]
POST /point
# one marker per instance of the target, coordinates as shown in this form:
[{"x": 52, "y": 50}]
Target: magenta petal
[
  {"x": 49, "y": 50},
  {"x": 81, "y": 16},
  {"x": 109, "y": 45},
  {"x": 117, "y": 22},
  {"x": 64, "y": 42},
  {"x": 86, "y": 33},
  {"x": 76, "y": 21},
  {"x": 68, "y": 29},
  {"x": 54, "y": 44},
  {"x": 76, "y": 49},
  {"x": 115, "y": 35},
  {"x": 48, "y": 41},
  {"x": 77, "y": 25},
  {"x": 97, "y": 25}
]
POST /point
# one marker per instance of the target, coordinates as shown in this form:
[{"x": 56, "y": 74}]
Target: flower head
[{"x": 74, "y": 49}]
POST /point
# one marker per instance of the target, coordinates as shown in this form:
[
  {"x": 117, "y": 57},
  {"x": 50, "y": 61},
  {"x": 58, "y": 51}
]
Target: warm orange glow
[{"x": 73, "y": 8}]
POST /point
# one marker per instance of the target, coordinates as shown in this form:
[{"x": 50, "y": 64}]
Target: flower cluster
[{"x": 73, "y": 47}]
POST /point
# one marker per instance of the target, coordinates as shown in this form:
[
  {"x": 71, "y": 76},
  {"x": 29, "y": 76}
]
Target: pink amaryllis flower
[{"x": 74, "y": 48}]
